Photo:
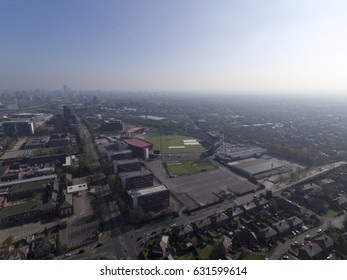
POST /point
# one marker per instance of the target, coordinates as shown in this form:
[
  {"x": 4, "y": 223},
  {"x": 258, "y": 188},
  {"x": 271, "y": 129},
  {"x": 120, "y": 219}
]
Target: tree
[
  {"x": 136, "y": 216},
  {"x": 218, "y": 250},
  {"x": 8, "y": 241},
  {"x": 268, "y": 195}
]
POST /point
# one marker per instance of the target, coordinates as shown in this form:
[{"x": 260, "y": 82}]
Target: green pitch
[
  {"x": 173, "y": 144},
  {"x": 188, "y": 167}
]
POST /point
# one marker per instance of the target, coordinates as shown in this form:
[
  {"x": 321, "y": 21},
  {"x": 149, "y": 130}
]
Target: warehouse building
[
  {"x": 257, "y": 169},
  {"x": 245, "y": 153}
]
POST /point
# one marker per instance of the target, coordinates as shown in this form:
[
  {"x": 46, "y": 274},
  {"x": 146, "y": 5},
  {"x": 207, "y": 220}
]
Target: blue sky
[{"x": 177, "y": 45}]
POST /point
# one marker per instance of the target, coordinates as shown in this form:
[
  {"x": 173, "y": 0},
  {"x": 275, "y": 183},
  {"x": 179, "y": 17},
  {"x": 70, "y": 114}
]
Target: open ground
[{"x": 202, "y": 188}]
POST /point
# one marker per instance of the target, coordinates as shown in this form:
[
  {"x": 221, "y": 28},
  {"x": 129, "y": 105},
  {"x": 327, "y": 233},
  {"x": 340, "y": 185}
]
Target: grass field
[
  {"x": 188, "y": 167},
  {"x": 176, "y": 143}
]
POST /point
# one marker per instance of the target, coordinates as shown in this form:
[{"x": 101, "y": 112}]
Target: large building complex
[
  {"x": 244, "y": 153},
  {"x": 18, "y": 128},
  {"x": 136, "y": 179},
  {"x": 112, "y": 125},
  {"x": 154, "y": 198},
  {"x": 126, "y": 165},
  {"x": 259, "y": 168},
  {"x": 132, "y": 132},
  {"x": 140, "y": 147},
  {"x": 119, "y": 155},
  {"x": 33, "y": 199}
]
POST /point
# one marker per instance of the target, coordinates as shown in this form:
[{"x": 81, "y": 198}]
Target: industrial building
[
  {"x": 59, "y": 140},
  {"x": 112, "y": 125},
  {"x": 55, "y": 140},
  {"x": 136, "y": 179},
  {"x": 244, "y": 153},
  {"x": 37, "y": 142},
  {"x": 154, "y": 198},
  {"x": 126, "y": 165},
  {"x": 140, "y": 147},
  {"x": 18, "y": 128},
  {"x": 132, "y": 132},
  {"x": 47, "y": 199},
  {"x": 259, "y": 168}
]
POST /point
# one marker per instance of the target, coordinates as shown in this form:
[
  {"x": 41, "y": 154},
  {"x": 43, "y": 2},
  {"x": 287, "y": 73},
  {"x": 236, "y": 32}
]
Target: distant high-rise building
[{"x": 65, "y": 88}]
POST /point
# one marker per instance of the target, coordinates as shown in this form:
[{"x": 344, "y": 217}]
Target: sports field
[
  {"x": 175, "y": 144},
  {"x": 188, "y": 167}
]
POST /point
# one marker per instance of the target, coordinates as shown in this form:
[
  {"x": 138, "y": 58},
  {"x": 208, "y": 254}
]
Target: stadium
[{"x": 175, "y": 144}]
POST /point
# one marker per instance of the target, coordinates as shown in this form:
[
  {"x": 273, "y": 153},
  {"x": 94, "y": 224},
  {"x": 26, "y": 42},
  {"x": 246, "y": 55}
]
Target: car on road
[
  {"x": 67, "y": 255},
  {"x": 98, "y": 245},
  {"x": 81, "y": 251},
  {"x": 319, "y": 230},
  {"x": 307, "y": 237}
]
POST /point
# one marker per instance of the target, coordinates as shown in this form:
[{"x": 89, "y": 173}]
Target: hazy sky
[{"x": 177, "y": 45}]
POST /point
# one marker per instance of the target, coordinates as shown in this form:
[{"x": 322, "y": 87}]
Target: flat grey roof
[
  {"x": 149, "y": 190},
  {"x": 257, "y": 166},
  {"x": 246, "y": 152},
  {"x": 120, "y": 152},
  {"x": 126, "y": 161},
  {"x": 26, "y": 181},
  {"x": 77, "y": 188},
  {"x": 134, "y": 173}
]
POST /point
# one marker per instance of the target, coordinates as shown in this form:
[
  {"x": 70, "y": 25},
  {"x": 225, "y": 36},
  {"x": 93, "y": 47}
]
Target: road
[
  {"x": 283, "y": 248},
  {"x": 310, "y": 175},
  {"x": 113, "y": 220}
]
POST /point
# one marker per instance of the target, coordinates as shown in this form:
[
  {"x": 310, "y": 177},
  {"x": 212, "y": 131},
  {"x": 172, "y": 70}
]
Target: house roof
[
  {"x": 237, "y": 211},
  {"x": 202, "y": 223},
  {"x": 294, "y": 221},
  {"x": 325, "y": 241},
  {"x": 184, "y": 229},
  {"x": 312, "y": 249},
  {"x": 21, "y": 208},
  {"x": 267, "y": 232},
  {"x": 249, "y": 206},
  {"x": 281, "y": 226},
  {"x": 221, "y": 217},
  {"x": 341, "y": 200}
]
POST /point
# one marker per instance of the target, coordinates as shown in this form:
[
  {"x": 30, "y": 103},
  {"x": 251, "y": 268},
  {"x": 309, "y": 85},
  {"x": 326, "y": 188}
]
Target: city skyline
[{"x": 189, "y": 46}]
